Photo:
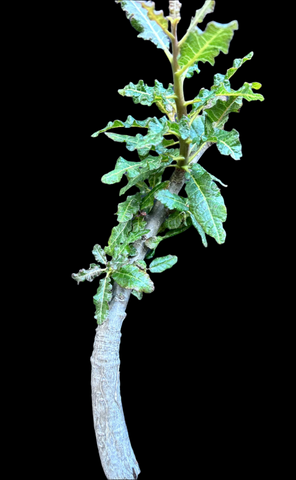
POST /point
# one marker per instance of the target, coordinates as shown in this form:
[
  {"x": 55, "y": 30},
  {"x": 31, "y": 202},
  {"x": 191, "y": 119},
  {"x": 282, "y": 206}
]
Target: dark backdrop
[{"x": 193, "y": 366}]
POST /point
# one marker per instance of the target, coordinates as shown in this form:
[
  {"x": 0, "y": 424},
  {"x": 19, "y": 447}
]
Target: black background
[{"x": 194, "y": 354}]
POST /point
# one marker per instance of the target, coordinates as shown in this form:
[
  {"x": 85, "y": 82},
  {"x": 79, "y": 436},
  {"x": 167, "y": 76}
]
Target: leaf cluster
[{"x": 202, "y": 205}]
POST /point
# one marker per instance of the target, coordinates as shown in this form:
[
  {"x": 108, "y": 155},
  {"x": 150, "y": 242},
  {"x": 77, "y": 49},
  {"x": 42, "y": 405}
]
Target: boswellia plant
[{"x": 157, "y": 211}]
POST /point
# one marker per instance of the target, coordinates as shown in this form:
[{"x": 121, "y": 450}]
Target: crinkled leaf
[
  {"x": 174, "y": 220},
  {"x": 172, "y": 201},
  {"x": 204, "y": 46},
  {"x": 130, "y": 122},
  {"x": 206, "y": 202},
  {"x": 184, "y": 127},
  {"x": 122, "y": 167},
  {"x": 200, "y": 14},
  {"x": 138, "y": 142},
  {"x": 228, "y": 143},
  {"x": 142, "y": 93},
  {"x": 132, "y": 277},
  {"x": 102, "y": 299},
  {"x": 148, "y": 167},
  {"x": 118, "y": 235},
  {"x": 152, "y": 242},
  {"x": 93, "y": 272},
  {"x": 99, "y": 254},
  {"x": 139, "y": 223},
  {"x": 148, "y": 200},
  {"x": 127, "y": 209},
  {"x": 161, "y": 264},
  {"x": 149, "y": 29}
]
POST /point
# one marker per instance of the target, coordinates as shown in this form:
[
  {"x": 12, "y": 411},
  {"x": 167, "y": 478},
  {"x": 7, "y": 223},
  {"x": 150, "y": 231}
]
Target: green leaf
[
  {"x": 174, "y": 220},
  {"x": 118, "y": 235},
  {"x": 130, "y": 122},
  {"x": 199, "y": 229},
  {"x": 139, "y": 295},
  {"x": 99, "y": 254},
  {"x": 149, "y": 30},
  {"x": 93, "y": 272},
  {"x": 152, "y": 242},
  {"x": 205, "y": 46},
  {"x": 138, "y": 142},
  {"x": 146, "y": 168},
  {"x": 132, "y": 277},
  {"x": 200, "y": 14},
  {"x": 122, "y": 167},
  {"x": 145, "y": 95},
  {"x": 101, "y": 299},
  {"x": 139, "y": 223},
  {"x": 206, "y": 202},
  {"x": 161, "y": 264},
  {"x": 127, "y": 209},
  {"x": 148, "y": 200},
  {"x": 228, "y": 143},
  {"x": 172, "y": 201}
]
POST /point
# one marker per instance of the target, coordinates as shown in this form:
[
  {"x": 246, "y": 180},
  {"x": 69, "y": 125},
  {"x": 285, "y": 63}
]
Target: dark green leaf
[
  {"x": 132, "y": 277},
  {"x": 148, "y": 200},
  {"x": 206, "y": 202},
  {"x": 130, "y": 122},
  {"x": 122, "y": 167},
  {"x": 161, "y": 264},
  {"x": 199, "y": 229},
  {"x": 118, "y": 235},
  {"x": 102, "y": 299},
  {"x": 127, "y": 209},
  {"x": 146, "y": 168}
]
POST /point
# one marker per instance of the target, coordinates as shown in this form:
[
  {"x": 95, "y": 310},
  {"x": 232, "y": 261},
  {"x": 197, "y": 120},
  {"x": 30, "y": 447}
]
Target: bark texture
[{"x": 116, "y": 454}]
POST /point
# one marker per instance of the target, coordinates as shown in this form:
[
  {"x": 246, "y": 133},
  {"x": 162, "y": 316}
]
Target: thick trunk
[{"x": 116, "y": 454}]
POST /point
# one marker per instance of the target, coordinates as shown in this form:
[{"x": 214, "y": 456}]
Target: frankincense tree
[{"x": 177, "y": 140}]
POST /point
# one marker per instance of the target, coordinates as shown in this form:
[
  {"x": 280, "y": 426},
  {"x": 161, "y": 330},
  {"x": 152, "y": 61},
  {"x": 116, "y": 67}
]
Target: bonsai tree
[{"x": 160, "y": 208}]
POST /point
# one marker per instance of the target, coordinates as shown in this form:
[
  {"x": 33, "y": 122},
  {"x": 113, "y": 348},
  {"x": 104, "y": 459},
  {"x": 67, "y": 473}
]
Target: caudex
[{"x": 176, "y": 140}]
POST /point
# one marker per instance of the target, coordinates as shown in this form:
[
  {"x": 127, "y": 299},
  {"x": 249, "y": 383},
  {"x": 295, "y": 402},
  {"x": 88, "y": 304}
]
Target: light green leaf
[
  {"x": 93, "y": 272},
  {"x": 149, "y": 30},
  {"x": 184, "y": 127},
  {"x": 172, "y": 201},
  {"x": 132, "y": 277},
  {"x": 130, "y": 122},
  {"x": 127, "y": 209},
  {"x": 206, "y": 202},
  {"x": 219, "y": 113},
  {"x": 174, "y": 220},
  {"x": 142, "y": 93},
  {"x": 148, "y": 200},
  {"x": 161, "y": 264},
  {"x": 139, "y": 295},
  {"x": 200, "y": 14},
  {"x": 228, "y": 143},
  {"x": 139, "y": 223},
  {"x": 102, "y": 299},
  {"x": 99, "y": 254},
  {"x": 122, "y": 167},
  {"x": 205, "y": 46},
  {"x": 118, "y": 235}
]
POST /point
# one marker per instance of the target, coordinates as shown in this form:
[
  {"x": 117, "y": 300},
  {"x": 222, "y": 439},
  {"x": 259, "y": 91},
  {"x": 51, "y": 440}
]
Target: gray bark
[{"x": 116, "y": 453}]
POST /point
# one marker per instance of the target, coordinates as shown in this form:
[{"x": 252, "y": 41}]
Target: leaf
[
  {"x": 205, "y": 46},
  {"x": 200, "y": 14},
  {"x": 118, "y": 235},
  {"x": 199, "y": 229},
  {"x": 122, "y": 167},
  {"x": 148, "y": 200},
  {"x": 139, "y": 295},
  {"x": 139, "y": 223},
  {"x": 132, "y": 277},
  {"x": 101, "y": 299},
  {"x": 206, "y": 202},
  {"x": 127, "y": 209},
  {"x": 161, "y": 264},
  {"x": 172, "y": 201},
  {"x": 145, "y": 95},
  {"x": 149, "y": 30},
  {"x": 139, "y": 142},
  {"x": 148, "y": 167},
  {"x": 174, "y": 220},
  {"x": 99, "y": 254},
  {"x": 130, "y": 122},
  {"x": 94, "y": 271},
  {"x": 228, "y": 143}
]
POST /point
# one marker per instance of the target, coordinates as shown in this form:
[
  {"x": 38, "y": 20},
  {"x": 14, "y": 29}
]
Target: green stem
[{"x": 179, "y": 91}]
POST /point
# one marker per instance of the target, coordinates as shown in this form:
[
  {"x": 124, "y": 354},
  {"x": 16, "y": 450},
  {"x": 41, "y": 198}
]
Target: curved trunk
[{"x": 116, "y": 454}]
